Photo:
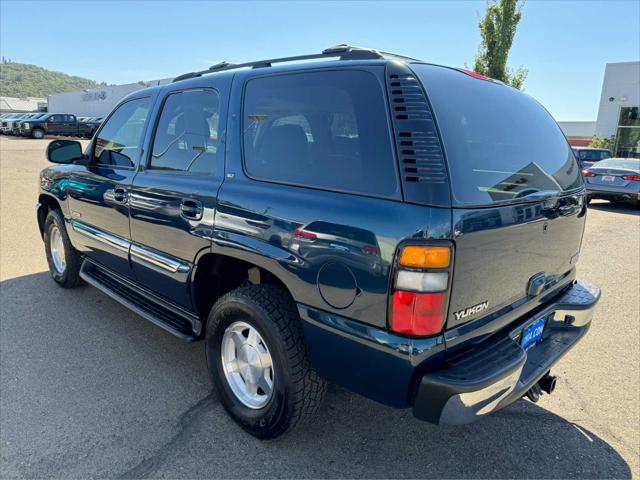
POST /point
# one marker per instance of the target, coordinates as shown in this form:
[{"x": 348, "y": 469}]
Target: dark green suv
[{"x": 406, "y": 230}]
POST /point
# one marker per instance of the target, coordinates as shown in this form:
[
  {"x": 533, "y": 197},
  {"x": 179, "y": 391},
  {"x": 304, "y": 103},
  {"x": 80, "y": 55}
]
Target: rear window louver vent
[{"x": 420, "y": 157}]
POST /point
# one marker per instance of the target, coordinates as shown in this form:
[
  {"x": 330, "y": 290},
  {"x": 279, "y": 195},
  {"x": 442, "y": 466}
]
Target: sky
[{"x": 564, "y": 44}]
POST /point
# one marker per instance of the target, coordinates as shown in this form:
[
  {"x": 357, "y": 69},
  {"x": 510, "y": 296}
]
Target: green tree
[
  {"x": 602, "y": 142},
  {"x": 22, "y": 80},
  {"x": 498, "y": 29}
]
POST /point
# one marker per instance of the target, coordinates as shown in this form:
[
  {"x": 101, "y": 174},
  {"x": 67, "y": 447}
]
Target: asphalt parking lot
[{"x": 89, "y": 389}]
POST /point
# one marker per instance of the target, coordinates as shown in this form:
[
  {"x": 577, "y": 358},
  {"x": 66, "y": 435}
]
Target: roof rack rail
[{"x": 343, "y": 51}]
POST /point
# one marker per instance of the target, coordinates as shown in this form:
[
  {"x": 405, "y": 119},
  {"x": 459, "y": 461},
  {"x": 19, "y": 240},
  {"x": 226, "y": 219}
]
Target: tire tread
[
  {"x": 73, "y": 259},
  {"x": 308, "y": 387}
]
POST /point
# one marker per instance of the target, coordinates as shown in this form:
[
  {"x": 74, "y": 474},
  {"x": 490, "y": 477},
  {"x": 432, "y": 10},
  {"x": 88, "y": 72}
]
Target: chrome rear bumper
[{"x": 500, "y": 371}]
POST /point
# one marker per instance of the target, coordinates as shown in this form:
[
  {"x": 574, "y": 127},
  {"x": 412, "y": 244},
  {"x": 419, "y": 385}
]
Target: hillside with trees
[{"x": 23, "y": 80}]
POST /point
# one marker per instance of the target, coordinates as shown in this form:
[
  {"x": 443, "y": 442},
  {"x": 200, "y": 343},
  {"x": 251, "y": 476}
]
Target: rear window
[
  {"x": 593, "y": 155},
  {"x": 625, "y": 164},
  {"x": 325, "y": 129},
  {"x": 501, "y": 144}
]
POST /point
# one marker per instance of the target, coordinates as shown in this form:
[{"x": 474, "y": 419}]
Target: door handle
[
  {"x": 191, "y": 209},
  {"x": 120, "y": 194}
]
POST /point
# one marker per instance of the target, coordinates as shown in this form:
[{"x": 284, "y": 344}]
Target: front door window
[{"x": 119, "y": 141}]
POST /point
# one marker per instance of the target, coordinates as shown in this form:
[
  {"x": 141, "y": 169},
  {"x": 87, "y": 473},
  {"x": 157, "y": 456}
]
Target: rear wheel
[
  {"x": 259, "y": 363},
  {"x": 64, "y": 261}
]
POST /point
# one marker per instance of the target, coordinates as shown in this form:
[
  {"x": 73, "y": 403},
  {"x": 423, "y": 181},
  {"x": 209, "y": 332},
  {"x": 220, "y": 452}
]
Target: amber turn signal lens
[{"x": 425, "y": 256}]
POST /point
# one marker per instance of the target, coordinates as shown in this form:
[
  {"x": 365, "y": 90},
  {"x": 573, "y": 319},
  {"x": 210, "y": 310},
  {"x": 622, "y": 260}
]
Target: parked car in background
[
  {"x": 352, "y": 250},
  {"x": 55, "y": 124},
  {"x": 614, "y": 179},
  {"x": 587, "y": 156},
  {"x": 88, "y": 126},
  {"x": 6, "y": 124},
  {"x": 15, "y": 129}
]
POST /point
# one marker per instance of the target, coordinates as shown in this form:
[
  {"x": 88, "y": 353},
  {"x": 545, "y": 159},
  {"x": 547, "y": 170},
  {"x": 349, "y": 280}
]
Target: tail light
[
  {"x": 420, "y": 293},
  {"x": 371, "y": 250},
  {"x": 635, "y": 178},
  {"x": 587, "y": 173},
  {"x": 301, "y": 233},
  {"x": 418, "y": 314}
]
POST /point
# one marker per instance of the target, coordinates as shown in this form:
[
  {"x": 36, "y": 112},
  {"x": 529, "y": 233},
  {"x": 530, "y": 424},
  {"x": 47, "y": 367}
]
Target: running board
[{"x": 167, "y": 316}]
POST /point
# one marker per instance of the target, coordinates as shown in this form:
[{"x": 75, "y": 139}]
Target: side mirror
[{"x": 64, "y": 151}]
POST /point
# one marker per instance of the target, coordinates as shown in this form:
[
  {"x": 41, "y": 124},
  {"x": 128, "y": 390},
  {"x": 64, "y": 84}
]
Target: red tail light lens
[
  {"x": 635, "y": 178},
  {"x": 418, "y": 313},
  {"x": 587, "y": 173},
  {"x": 371, "y": 250},
  {"x": 300, "y": 233}
]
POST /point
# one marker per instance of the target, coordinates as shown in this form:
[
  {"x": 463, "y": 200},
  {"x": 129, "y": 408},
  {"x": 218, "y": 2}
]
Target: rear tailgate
[
  {"x": 506, "y": 255},
  {"x": 517, "y": 193}
]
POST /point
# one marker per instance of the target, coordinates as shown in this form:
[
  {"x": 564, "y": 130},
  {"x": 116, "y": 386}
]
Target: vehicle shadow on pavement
[
  {"x": 89, "y": 389},
  {"x": 624, "y": 208}
]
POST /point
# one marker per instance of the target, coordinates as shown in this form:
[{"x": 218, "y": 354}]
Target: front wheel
[
  {"x": 258, "y": 361},
  {"x": 37, "y": 133},
  {"x": 63, "y": 259}
]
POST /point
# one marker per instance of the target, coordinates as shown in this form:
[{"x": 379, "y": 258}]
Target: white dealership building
[
  {"x": 618, "y": 111},
  {"x": 618, "y": 114},
  {"x": 95, "y": 102}
]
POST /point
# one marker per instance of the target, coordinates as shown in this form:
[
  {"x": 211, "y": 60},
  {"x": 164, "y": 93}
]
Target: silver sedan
[{"x": 614, "y": 179}]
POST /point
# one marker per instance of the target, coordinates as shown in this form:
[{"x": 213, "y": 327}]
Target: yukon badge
[{"x": 471, "y": 310}]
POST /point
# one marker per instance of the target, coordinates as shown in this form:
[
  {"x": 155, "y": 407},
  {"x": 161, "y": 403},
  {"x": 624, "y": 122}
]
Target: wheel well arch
[
  {"x": 216, "y": 274},
  {"x": 47, "y": 203}
]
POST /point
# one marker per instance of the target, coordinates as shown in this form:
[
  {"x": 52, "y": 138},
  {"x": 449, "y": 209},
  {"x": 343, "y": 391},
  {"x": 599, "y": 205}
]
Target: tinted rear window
[
  {"x": 500, "y": 143},
  {"x": 626, "y": 164},
  {"x": 593, "y": 155},
  {"x": 325, "y": 129}
]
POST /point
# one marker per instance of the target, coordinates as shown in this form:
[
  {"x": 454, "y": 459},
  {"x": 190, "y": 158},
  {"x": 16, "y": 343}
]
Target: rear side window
[
  {"x": 187, "y": 135},
  {"x": 324, "y": 129},
  {"x": 501, "y": 144}
]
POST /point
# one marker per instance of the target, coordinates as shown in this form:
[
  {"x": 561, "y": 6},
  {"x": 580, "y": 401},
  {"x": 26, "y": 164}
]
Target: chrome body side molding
[
  {"x": 101, "y": 236},
  {"x": 160, "y": 260}
]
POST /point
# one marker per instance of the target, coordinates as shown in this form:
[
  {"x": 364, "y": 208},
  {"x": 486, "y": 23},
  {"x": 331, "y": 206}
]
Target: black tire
[
  {"x": 298, "y": 391},
  {"x": 69, "y": 276},
  {"x": 37, "y": 133}
]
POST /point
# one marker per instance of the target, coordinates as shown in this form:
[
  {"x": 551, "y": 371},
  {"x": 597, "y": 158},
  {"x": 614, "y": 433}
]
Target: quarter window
[
  {"x": 323, "y": 129},
  {"x": 187, "y": 135},
  {"x": 119, "y": 141}
]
